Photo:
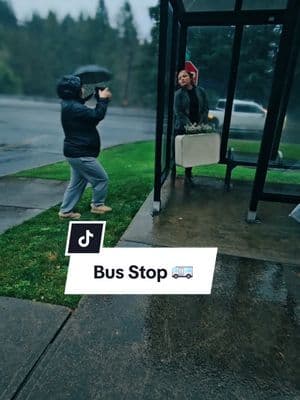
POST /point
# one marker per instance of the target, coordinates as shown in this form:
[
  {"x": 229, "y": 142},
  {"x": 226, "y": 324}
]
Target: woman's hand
[{"x": 105, "y": 93}]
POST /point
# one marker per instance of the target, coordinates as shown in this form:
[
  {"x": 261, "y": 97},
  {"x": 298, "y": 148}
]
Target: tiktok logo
[
  {"x": 85, "y": 237},
  {"x": 84, "y": 241}
]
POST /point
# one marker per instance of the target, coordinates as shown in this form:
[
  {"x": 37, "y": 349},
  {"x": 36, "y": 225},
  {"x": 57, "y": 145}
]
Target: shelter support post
[
  {"x": 174, "y": 53},
  {"x": 163, "y": 26},
  {"x": 231, "y": 90}
]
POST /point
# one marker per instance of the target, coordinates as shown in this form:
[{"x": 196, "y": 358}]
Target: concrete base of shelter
[{"x": 204, "y": 215}]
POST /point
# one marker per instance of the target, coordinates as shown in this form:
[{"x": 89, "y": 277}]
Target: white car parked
[{"x": 247, "y": 116}]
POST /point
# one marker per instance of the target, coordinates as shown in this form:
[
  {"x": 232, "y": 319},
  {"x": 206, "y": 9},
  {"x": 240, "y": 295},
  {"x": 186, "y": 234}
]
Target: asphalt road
[{"x": 31, "y": 134}]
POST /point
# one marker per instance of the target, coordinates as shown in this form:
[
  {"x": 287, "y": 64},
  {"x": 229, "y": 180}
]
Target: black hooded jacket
[{"x": 79, "y": 124}]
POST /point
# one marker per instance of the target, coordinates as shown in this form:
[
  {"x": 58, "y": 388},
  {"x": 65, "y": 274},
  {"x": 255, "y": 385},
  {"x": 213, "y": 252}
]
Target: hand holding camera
[{"x": 103, "y": 93}]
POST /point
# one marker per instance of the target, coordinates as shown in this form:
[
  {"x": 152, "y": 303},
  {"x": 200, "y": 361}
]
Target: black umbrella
[{"x": 93, "y": 74}]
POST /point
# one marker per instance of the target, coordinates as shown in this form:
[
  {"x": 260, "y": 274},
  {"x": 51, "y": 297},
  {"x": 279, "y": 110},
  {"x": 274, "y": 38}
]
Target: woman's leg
[
  {"x": 94, "y": 173},
  {"x": 188, "y": 173},
  {"x": 75, "y": 188}
]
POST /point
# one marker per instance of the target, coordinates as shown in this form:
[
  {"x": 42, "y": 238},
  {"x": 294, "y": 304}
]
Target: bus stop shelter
[{"x": 265, "y": 33}]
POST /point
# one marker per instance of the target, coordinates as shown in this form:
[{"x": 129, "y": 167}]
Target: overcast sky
[{"x": 24, "y": 8}]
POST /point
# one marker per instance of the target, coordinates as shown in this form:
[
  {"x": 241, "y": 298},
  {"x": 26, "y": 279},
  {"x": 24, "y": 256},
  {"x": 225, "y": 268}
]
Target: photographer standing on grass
[{"x": 82, "y": 145}]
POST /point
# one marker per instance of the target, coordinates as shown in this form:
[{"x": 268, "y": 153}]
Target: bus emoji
[{"x": 182, "y": 272}]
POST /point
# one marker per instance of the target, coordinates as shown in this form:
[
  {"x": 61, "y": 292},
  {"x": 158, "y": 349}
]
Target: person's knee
[
  {"x": 100, "y": 182},
  {"x": 103, "y": 178}
]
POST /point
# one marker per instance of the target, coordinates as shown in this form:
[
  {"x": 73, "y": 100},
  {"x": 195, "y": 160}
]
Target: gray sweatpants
[{"x": 85, "y": 170}]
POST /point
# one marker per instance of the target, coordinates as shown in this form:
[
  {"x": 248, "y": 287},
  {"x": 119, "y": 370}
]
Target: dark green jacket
[{"x": 182, "y": 108}]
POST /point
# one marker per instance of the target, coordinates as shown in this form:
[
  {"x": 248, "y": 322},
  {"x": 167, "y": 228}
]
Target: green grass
[
  {"x": 33, "y": 265},
  {"x": 290, "y": 151},
  {"x": 246, "y": 174}
]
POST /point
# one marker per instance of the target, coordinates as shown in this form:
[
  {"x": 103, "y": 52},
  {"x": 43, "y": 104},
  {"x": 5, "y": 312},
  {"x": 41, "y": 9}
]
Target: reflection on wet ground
[
  {"x": 241, "y": 342},
  {"x": 204, "y": 215},
  {"x": 243, "y": 338}
]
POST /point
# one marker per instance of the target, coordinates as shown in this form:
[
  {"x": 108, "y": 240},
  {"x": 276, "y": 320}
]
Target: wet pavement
[
  {"x": 238, "y": 343},
  {"x": 35, "y": 138},
  {"x": 241, "y": 342},
  {"x": 24, "y": 198},
  {"x": 28, "y": 330},
  {"x": 207, "y": 216}
]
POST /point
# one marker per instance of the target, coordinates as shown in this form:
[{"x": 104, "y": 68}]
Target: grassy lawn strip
[
  {"x": 290, "y": 151},
  {"x": 245, "y": 174},
  {"x": 33, "y": 265}
]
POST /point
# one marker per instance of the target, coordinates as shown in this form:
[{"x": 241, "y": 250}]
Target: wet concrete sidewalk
[
  {"x": 241, "y": 342},
  {"x": 27, "y": 329},
  {"x": 238, "y": 343},
  {"x": 24, "y": 198}
]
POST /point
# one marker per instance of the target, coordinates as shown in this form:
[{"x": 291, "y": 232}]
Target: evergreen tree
[
  {"x": 7, "y": 15},
  {"x": 9, "y": 80},
  {"x": 128, "y": 50},
  {"x": 257, "y": 62},
  {"x": 146, "y": 71},
  {"x": 211, "y": 48},
  {"x": 102, "y": 14},
  {"x": 34, "y": 54}
]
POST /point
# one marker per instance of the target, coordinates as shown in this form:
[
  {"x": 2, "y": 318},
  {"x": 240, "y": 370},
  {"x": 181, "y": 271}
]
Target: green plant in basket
[{"x": 195, "y": 128}]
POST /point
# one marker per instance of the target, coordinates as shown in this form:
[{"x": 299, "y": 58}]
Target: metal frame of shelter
[{"x": 174, "y": 23}]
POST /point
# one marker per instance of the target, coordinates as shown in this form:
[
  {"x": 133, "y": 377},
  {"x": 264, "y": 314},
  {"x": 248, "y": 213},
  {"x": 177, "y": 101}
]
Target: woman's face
[{"x": 184, "y": 79}]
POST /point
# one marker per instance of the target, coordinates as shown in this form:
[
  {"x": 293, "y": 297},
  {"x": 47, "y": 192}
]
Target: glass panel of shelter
[
  {"x": 210, "y": 51},
  {"x": 285, "y": 179},
  {"x": 255, "y": 73}
]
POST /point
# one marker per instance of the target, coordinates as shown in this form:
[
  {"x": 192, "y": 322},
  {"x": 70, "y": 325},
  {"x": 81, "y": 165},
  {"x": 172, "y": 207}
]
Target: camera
[{"x": 97, "y": 88}]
